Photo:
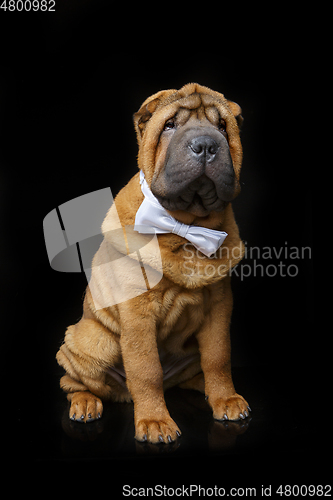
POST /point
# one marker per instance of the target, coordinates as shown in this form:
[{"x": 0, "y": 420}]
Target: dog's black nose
[{"x": 204, "y": 147}]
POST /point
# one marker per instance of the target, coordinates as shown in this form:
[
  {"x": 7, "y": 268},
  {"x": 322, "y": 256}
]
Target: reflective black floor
[
  {"x": 278, "y": 444},
  {"x": 276, "y": 429}
]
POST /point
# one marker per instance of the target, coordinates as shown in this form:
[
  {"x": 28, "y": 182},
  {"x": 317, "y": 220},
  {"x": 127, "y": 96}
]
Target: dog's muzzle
[{"x": 198, "y": 174}]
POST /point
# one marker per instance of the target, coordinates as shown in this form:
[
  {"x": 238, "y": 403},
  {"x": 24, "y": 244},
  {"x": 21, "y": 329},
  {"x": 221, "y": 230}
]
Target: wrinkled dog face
[
  {"x": 195, "y": 167},
  {"x": 192, "y": 140}
]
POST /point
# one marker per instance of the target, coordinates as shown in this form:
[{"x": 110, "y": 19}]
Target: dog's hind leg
[{"x": 87, "y": 352}]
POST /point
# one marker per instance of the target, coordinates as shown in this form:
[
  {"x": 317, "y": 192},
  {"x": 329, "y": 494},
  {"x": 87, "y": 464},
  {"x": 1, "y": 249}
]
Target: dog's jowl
[{"x": 148, "y": 323}]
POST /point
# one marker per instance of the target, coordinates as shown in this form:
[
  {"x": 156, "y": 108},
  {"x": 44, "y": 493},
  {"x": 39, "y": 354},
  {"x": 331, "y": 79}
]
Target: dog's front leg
[
  {"x": 214, "y": 345},
  {"x": 145, "y": 379}
]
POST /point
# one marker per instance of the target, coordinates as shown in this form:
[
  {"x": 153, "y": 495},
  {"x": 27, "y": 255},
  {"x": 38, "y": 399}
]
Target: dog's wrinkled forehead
[
  {"x": 167, "y": 103},
  {"x": 192, "y": 101},
  {"x": 203, "y": 106},
  {"x": 196, "y": 100},
  {"x": 209, "y": 106}
]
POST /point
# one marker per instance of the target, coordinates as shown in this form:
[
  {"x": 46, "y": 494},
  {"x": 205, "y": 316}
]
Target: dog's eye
[
  {"x": 169, "y": 125},
  {"x": 222, "y": 125}
]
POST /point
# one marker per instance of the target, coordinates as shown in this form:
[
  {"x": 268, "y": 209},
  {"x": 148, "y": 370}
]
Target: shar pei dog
[{"x": 139, "y": 337}]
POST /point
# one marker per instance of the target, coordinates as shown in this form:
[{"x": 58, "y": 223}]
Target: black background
[{"x": 70, "y": 81}]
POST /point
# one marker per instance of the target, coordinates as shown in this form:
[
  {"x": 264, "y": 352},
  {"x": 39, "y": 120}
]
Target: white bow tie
[{"x": 153, "y": 218}]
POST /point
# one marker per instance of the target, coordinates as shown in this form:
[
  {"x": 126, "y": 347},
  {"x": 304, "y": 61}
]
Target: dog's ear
[
  {"x": 142, "y": 116},
  {"x": 237, "y": 112}
]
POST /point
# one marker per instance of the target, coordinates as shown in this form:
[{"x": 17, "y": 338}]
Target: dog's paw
[
  {"x": 233, "y": 408},
  {"x": 85, "y": 407},
  {"x": 157, "y": 431}
]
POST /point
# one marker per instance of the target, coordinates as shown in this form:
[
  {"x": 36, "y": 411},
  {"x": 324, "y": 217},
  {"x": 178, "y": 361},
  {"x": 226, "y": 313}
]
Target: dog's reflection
[{"x": 113, "y": 434}]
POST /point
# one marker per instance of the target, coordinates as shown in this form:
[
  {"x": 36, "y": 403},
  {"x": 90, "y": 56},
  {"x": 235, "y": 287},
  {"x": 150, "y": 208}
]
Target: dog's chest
[{"x": 180, "y": 315}]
